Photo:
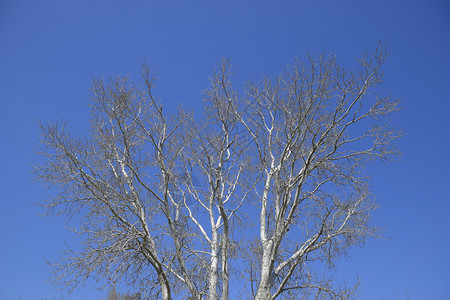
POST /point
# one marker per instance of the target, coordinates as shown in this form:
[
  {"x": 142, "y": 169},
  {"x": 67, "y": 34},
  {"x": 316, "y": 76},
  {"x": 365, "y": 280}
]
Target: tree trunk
[
  {"x": 165, "y": 288},
  {"x": 225, "y": 277},
  {"x": 266, "y": 270},
  {"x": 213, "y": 268}
]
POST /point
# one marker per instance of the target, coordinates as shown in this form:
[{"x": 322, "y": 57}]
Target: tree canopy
[{"x": 250, "y": 198}]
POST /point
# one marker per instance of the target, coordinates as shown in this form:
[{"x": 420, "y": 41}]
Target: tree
[
  {"x": 113, "y": 294},
  {"x": 264, "y": 188}
]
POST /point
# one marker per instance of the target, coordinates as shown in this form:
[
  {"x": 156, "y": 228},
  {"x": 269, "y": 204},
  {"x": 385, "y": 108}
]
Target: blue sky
[{"x": 51, "y": 50}]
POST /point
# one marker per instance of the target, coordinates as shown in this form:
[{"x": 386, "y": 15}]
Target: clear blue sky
[{"x": 50, "y": 50}]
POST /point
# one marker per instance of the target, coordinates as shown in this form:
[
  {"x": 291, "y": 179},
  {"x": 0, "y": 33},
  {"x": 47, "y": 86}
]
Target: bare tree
[
  {"x": 313, "y": 129},
  {"x": 161, "y": 199},
  {"x": 113, "y": 294},
  {"x": 119, "y": 182}
]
